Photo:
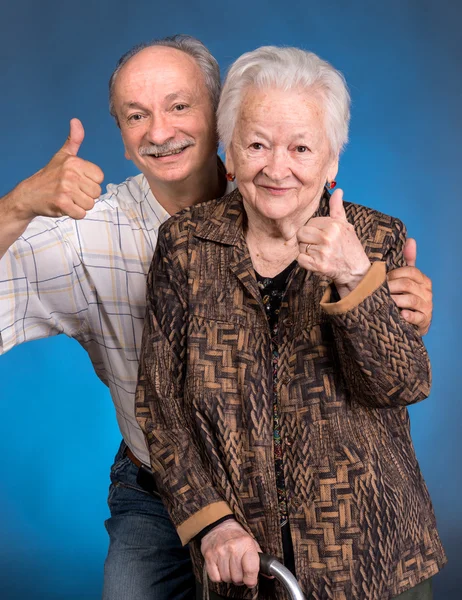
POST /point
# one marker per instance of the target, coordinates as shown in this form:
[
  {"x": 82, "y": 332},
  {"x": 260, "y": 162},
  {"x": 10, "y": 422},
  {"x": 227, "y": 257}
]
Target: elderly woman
[{"x": 276, "y": 369}]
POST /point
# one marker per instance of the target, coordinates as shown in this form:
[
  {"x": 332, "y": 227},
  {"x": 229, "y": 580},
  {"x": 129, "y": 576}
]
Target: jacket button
[
  {"x": 296, "y": 502},
  {"x": 285, "y": 380},
  {"x": 289, "y": 440},
  {"x": 288, "y": 322}
]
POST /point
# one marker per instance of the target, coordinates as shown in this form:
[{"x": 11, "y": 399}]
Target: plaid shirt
[{"x": 87, "y": 279}]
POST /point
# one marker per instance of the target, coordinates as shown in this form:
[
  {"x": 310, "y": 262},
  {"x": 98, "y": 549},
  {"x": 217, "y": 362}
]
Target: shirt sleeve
[
  {"x": 181, "y": 472},
  {"x": 43, "y": 286},
  {"x": 383, "y": 358}
]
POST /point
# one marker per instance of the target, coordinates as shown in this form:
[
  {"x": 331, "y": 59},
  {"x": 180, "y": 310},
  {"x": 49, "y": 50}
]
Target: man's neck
[{"x": 207, "y": 184}]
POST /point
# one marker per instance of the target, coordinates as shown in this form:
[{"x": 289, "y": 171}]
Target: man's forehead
[
  {"x": 169, "y": 71},
  {"x": 160, "y": 60}
]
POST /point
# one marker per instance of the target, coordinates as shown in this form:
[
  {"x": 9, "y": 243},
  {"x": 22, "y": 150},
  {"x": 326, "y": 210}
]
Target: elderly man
[{"x": 77, "y": 266}]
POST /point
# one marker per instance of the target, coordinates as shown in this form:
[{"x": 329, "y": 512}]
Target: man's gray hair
[
  {"x": 287, "y": 69},
  {"x": 186, "y": 43}
]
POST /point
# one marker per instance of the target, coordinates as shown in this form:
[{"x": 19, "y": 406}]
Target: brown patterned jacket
[{"x": 361, "y": 518}]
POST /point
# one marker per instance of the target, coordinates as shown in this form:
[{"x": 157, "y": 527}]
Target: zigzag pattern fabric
[{"x": 360, "y": 515}]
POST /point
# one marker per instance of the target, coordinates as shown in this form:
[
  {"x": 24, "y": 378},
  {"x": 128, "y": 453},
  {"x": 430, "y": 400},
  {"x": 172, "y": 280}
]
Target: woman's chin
[{"x": 275, "y": 213}]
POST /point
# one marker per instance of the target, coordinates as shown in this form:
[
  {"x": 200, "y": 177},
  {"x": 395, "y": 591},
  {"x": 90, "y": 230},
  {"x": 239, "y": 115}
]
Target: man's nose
[{"x": 160, "y": 129}]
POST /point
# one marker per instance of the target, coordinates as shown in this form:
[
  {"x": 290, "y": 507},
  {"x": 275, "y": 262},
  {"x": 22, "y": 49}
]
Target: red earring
[
  {"x": 331, "y": 184},
  {"x": 230, "y": 177}
]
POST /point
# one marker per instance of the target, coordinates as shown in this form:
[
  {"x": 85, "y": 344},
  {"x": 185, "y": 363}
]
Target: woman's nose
[{"x": 277, "y": 167}]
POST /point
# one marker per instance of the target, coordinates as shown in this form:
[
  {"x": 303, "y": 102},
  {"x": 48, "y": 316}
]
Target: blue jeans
[{"x": 146, "y": 560}]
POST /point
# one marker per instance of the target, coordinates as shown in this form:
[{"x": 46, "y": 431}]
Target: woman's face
[{"x": 280, "y": 153}]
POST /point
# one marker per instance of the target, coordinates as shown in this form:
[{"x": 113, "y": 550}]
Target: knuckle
[
  {"x": 233, "y": 545},
  {"x": 62, "y": 203},
  {"x": 208, "y": 555},
  {"x": 71, "y": 162},
  {"x": 325, "y": 236},
  {"x": 410, "y": 317},
  {"x": 414, "y": 301}
]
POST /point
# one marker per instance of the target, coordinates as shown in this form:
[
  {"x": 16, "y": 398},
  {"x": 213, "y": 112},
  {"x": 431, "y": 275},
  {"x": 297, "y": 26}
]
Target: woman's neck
[
  {"x": 272, "y": 243},
  {"x": 270, "y": 254}
]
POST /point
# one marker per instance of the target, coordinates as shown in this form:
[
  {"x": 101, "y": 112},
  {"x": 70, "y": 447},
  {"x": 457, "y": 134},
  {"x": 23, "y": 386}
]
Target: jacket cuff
[
  {"x": 373, "y": 279},
  {"x": 207, "y": 515}
]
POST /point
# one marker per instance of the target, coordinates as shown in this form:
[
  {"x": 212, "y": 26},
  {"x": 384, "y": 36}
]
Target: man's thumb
[
  {"x": 336, "y": 210},
  {"x": 75, "y": 138},
  {"x": 410, "y": 252}
]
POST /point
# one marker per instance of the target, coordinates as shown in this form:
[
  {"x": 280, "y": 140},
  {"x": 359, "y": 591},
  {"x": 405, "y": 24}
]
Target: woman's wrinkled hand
[
  {"x": 329, "y": 246},
  {"x": 231, "y": 554}
]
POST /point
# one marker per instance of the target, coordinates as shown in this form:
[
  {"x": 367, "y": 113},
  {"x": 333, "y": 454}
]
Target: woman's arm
[
  {"x": 382, "y": 357},
  {"x": 180, "y": 468}
]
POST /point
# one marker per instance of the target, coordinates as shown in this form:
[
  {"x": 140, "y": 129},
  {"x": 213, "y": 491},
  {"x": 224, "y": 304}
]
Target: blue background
[{"x": 403, "y": 62}]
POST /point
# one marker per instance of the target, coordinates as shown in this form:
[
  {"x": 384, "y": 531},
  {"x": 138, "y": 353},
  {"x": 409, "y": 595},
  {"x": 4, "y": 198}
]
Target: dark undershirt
[{"x": 272, "y": 290}]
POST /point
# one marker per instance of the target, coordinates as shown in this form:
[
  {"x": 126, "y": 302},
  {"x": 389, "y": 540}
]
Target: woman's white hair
[{"x": 287, "y": 69}]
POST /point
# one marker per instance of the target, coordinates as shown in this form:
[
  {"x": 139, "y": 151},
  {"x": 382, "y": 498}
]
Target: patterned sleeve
[
  {"x": 383, "y": 358},
  {"x": 43, "y": 287},
  {"x": 165, "y": 417}
]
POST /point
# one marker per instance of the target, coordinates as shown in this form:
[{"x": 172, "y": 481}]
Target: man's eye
[
  {"x": 135, "y": 117},
  {"x": 256, "y": 146},
  {"x": 302, "y": 149},
  {"x": 179, "y": 107}
]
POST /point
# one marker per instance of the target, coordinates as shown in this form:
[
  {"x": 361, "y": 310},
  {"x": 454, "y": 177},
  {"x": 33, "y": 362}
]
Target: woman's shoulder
[
  {"x": 190, "y": 219},
  {"x": 370, "y": 223}
]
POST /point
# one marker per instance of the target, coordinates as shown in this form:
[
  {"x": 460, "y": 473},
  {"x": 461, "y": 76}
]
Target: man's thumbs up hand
[
  {"x": 67, "y": 186},
  {"x": 75, "y": 138}
]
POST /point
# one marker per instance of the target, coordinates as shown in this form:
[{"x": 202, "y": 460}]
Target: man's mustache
[{"x": 168, "y": 147}]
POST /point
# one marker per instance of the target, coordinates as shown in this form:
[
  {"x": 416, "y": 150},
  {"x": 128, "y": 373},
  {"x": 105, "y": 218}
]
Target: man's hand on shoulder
[{"x": 412, "y": 290}]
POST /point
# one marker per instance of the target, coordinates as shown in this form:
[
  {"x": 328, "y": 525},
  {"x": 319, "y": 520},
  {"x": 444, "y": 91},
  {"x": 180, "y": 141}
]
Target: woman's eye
[
  {"x": 302, "y": 148},
  {"x": 256, "y": 146}
]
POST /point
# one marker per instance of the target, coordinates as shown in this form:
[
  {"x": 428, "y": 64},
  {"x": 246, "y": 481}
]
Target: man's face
[{"x": 165, "y": 115}]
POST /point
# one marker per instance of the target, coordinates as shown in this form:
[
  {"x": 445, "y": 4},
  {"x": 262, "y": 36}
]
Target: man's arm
[
  {"x": 66, "y": 186},
  {"x": 412, "y": 290},
  {"x": 43, "y": 287}
]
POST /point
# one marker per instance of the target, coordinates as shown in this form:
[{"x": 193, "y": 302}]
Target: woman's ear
[
  {"x": 333, "y": 169},
  {"x": 229, "y": 160}
]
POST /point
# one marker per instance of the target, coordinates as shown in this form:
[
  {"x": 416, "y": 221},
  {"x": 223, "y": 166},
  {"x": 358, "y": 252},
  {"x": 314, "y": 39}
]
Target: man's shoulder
[{"x": 130, "y": 192}]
